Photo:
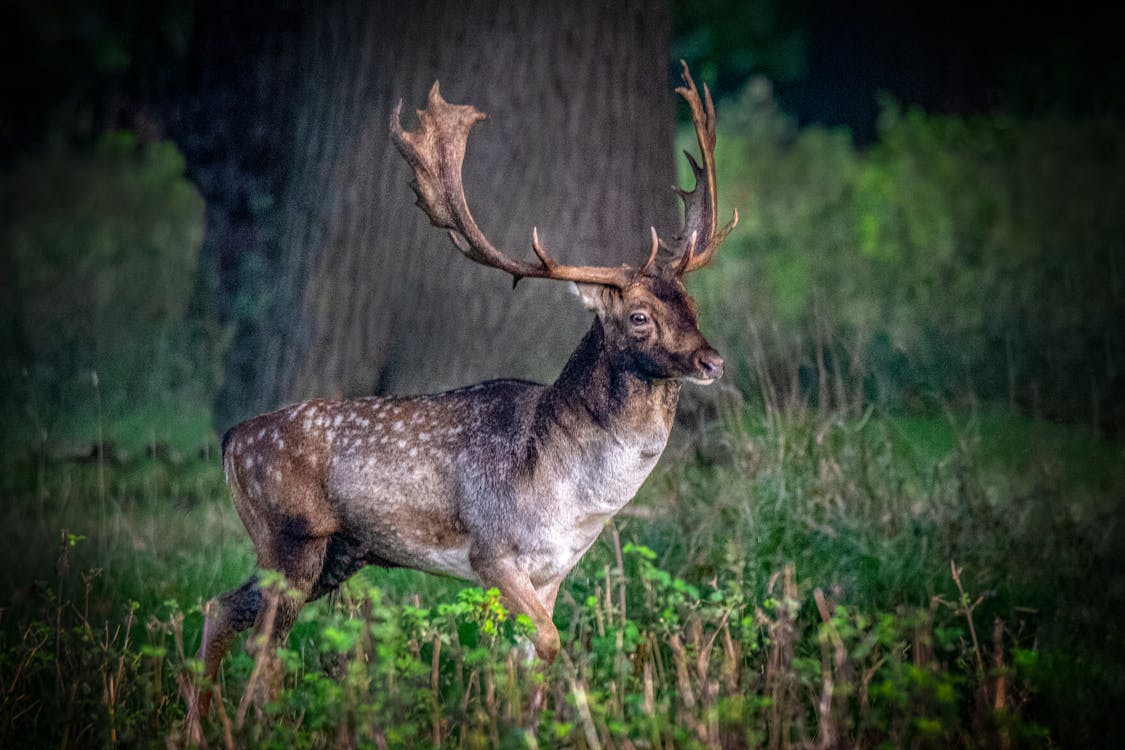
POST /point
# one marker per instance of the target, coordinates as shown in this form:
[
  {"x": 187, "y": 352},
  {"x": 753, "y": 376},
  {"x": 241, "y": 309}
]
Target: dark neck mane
[{"x": 596, "y": 388}]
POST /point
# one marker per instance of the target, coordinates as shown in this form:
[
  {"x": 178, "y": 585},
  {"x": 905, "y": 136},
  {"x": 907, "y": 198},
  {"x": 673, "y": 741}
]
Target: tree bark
[{"x": 362, "y": 294}]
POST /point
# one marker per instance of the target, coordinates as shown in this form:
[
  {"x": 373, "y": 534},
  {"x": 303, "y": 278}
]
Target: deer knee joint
[{"x": 547, "y": 642}]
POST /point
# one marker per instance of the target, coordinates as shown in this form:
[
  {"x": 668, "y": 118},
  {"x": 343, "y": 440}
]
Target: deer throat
[{"x": 600, "y": 430}]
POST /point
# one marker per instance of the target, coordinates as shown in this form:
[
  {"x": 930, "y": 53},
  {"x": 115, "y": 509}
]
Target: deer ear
[{"x": 591, "y": 296}]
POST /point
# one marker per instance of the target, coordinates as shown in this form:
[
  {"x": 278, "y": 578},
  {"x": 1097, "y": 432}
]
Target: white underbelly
[{"x": 451, "y": 561}]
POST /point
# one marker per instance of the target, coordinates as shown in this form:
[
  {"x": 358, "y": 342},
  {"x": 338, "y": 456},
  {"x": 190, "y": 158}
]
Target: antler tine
[
  {"x": 540, "y": 252},
  {"x": 436, "y": 152},
  {"x": 701, "y": 203},
  {"x": 688, "y": 256},
  {"x": 642, "y": 270}
]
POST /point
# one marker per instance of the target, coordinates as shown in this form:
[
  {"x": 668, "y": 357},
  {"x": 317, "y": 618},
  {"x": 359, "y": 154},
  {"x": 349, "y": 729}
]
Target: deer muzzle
[{"x": 708, "y": 366}]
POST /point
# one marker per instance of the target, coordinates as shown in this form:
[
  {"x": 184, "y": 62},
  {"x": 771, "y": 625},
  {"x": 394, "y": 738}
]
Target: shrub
[{"x": 955, "y": 258}]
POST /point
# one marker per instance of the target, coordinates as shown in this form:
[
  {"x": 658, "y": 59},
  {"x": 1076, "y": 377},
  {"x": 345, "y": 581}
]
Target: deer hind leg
[
  {"x": 300, "y": 559},
  {"x": 344, "y": 556},
  {"x": 225, "y": 617}
]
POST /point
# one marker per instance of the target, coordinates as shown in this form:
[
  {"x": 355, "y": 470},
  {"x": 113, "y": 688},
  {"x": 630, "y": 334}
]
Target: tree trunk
[{"x": 363, "y": 295}]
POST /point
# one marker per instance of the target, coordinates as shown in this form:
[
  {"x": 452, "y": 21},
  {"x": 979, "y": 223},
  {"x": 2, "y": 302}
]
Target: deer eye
[{"x": 638, "y": 318}]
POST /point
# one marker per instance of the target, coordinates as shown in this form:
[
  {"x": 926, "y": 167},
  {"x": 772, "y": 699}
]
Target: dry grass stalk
[
  {"x": 436, "y": 724},
  {"x": 581, "y": 702},
  {"x": 685, "y": 714},
  {"x": 1000, "y": 680},
  {"x": 966, "y": 609},
  {"x": 254, "y": 693},
  {"x": 780, "y": 679},
  {"x": 835, "y": 670}
]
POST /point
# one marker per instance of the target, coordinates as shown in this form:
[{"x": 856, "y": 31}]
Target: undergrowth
[{"x": 810, "y": 582}]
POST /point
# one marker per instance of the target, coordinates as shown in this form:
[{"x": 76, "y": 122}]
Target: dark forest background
[
  {"x": 201, "y": 203},
  {"x": 922, "y": 312}
]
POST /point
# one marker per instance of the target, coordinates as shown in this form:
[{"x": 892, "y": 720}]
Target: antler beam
[{"x": 436, "y": 152}]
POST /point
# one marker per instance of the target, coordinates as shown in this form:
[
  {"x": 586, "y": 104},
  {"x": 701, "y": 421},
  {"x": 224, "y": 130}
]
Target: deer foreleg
[
  {"x": 520, "y": 597},
  {"x": 547, "y": 594}
]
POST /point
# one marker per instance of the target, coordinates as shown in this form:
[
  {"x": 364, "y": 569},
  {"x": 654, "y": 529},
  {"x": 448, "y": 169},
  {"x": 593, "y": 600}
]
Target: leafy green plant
[{"x": 763, "y": 601}]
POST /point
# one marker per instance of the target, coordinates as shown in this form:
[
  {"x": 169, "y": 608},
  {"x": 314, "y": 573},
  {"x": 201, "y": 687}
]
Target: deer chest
[{"x": 569, "y": 509}]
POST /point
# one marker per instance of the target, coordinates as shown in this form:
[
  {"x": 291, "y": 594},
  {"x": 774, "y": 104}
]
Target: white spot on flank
[
  {"x": 398, "y": 426},
  {"x": 413, "y": 452},
  {"x": 261, "y": 433},
  {"x": 281, "y": 444},
  {"x": 401, "y": 443},
  {"x": 339, "y": 418},
  {"x": 423, "y": 436},
  {"x": 308, "y": 424}
]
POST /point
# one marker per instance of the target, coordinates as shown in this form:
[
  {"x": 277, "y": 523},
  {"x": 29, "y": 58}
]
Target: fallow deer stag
[{"x": 505, "y": 483}]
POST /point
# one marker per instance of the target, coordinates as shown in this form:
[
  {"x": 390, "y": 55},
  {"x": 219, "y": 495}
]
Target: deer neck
[{"x": 598, "y": 395}]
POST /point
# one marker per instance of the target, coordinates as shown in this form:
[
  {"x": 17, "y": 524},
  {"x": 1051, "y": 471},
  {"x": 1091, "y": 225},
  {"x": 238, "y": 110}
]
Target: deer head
[
  {"x": 648, "y": 318},
  {"x": 651, "y": 329}
]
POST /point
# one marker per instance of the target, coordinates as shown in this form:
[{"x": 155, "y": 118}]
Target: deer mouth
[{"x": 708, "y": 367}]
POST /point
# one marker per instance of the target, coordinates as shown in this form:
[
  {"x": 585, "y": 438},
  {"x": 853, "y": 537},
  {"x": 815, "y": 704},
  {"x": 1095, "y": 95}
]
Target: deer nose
[{"x": 709, "y": 363}]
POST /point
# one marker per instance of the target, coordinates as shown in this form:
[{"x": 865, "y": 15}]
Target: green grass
[{"x": 763, "y": 560}]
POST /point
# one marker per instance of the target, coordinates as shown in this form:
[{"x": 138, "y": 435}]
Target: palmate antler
[
  {"x": 702, "y": 203},
  {"x": 436, "y": 151}
]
